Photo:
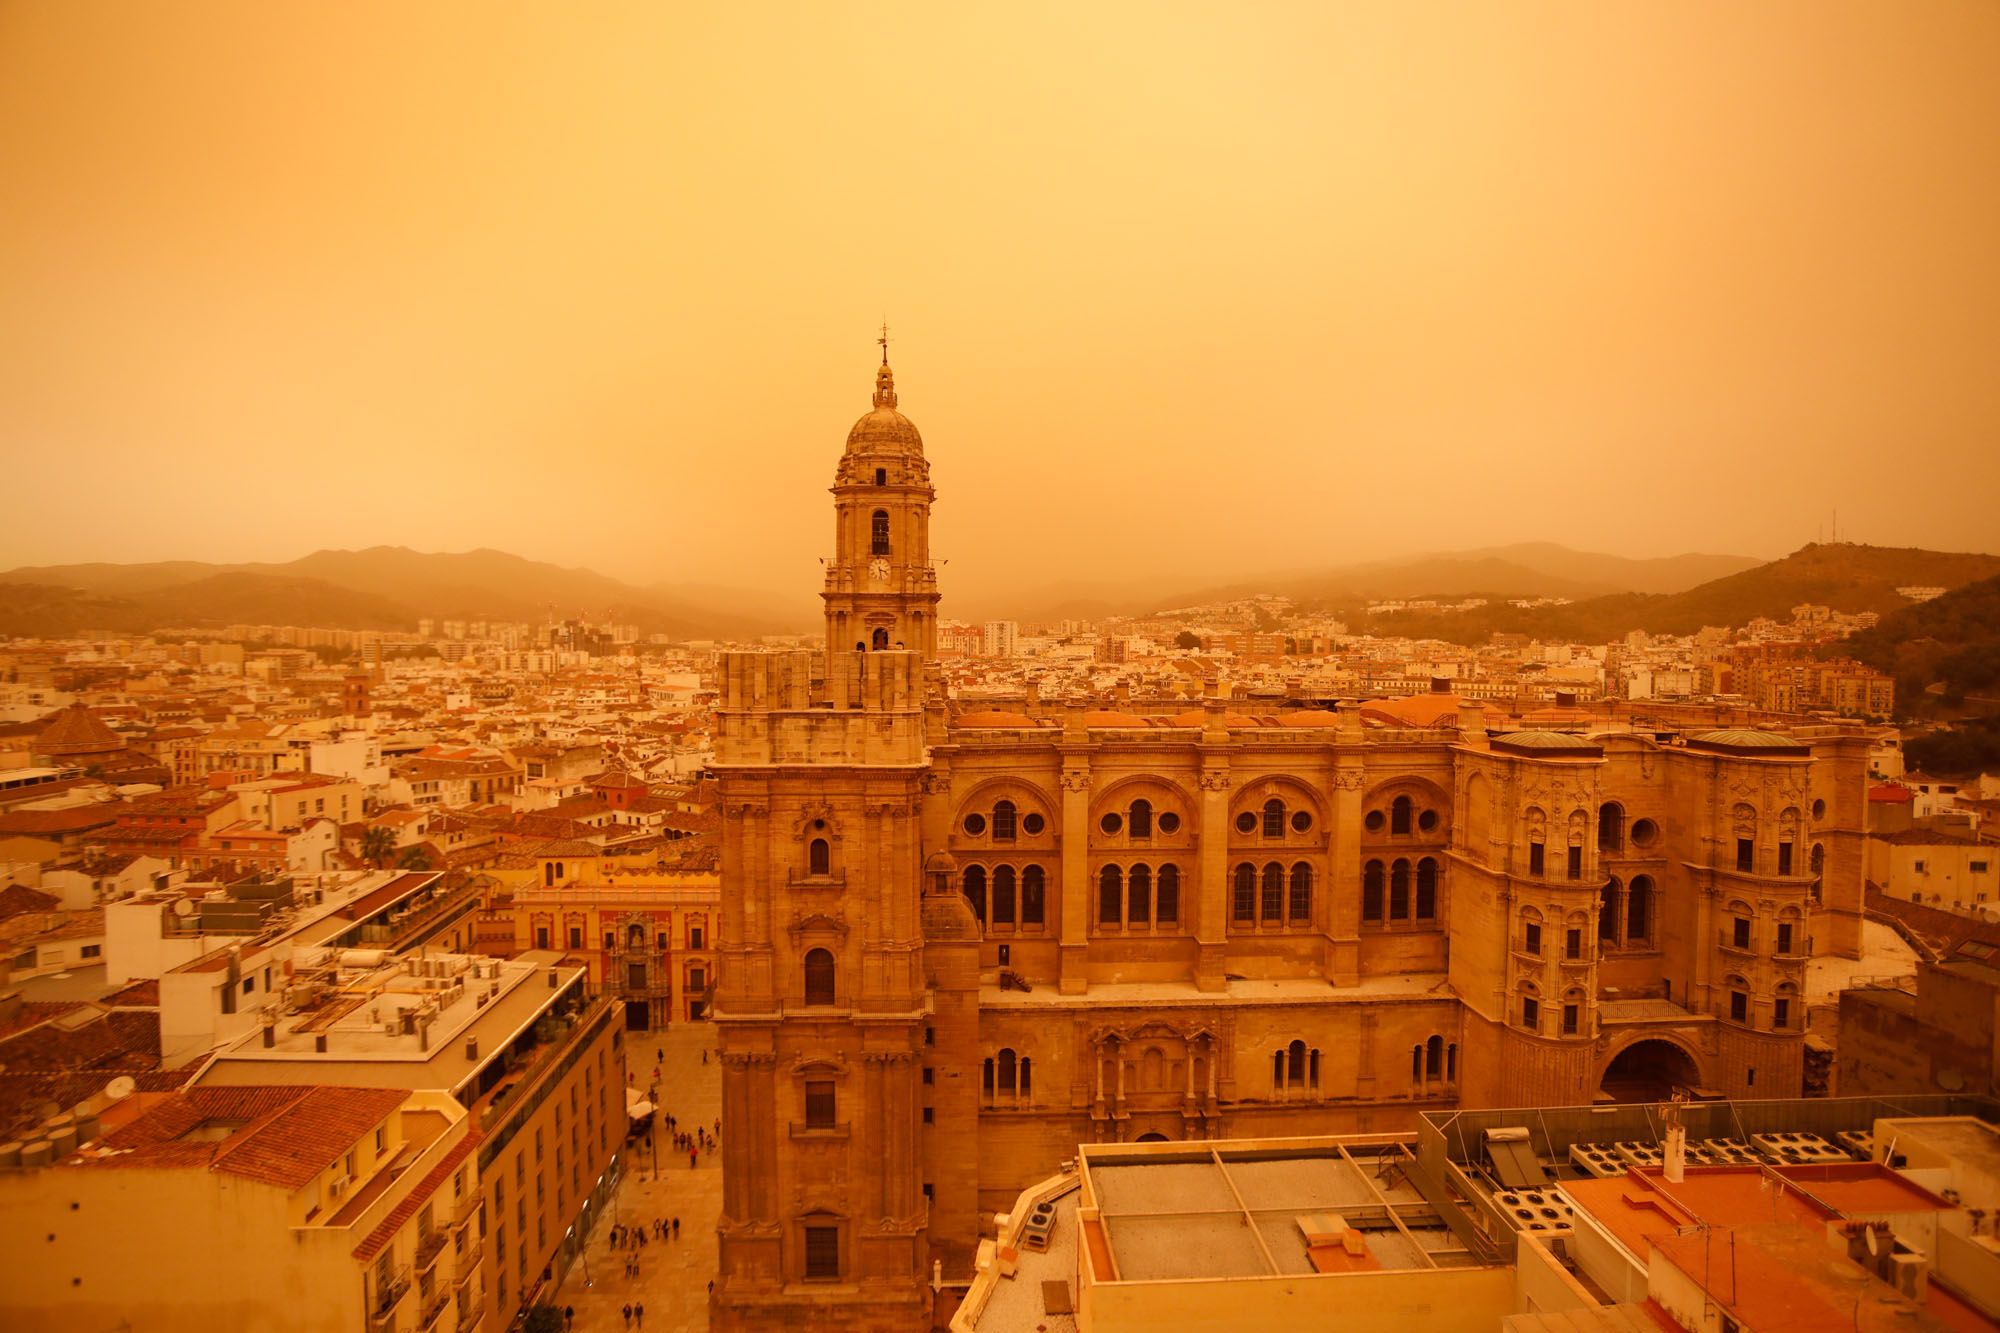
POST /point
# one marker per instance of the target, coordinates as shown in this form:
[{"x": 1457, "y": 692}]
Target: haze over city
[{"x": 1183, "y": 291}]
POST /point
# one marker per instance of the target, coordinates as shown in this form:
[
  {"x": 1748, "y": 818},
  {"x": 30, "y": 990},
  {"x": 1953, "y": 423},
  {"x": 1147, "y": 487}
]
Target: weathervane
[{"x": 884, "y": 340}]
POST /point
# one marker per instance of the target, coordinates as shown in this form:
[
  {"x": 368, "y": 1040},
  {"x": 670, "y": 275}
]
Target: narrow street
[{"x": 673, "y": 1275}]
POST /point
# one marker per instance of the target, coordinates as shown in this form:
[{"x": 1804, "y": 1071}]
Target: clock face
[{"x": 878, "y": 568}]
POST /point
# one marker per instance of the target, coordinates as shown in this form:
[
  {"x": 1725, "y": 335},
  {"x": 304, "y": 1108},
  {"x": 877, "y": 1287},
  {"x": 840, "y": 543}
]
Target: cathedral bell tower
[
  {"x": 823, "y": 1009},
  {"x": 881, "y": 592}
]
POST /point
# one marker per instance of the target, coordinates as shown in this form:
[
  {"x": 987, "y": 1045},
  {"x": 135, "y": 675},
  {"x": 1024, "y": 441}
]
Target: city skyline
[{"x": 1254, "y": 293}]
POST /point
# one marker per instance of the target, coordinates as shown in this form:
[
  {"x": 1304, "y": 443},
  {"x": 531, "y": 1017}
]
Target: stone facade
[{"x": 955, "y": 944}]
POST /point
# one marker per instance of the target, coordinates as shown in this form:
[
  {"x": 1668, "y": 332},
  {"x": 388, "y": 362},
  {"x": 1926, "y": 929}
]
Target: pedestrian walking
[
  {"x": 569, "y": 1317},
  {"x": 704, "y": 1057},
  {"x": 628, "y": 1314},
  {"x": 690, "y": 1159},
  {"x": 639, "y": 1315},
  {"x": 677, "y": 1228}
]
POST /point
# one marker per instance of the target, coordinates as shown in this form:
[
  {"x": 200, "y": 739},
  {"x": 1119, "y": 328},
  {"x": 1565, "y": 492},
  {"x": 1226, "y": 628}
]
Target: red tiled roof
[
  {"x": 77, "y": 731},
  {"x": 404, "y": 1211},
  {"x": 75, "y": 819},
  {"x": 291, "y": 1134},
  {"x": 18, "y": 899}
]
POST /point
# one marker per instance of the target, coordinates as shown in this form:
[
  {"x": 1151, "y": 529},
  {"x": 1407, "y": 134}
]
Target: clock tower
[{"x": 881, "y": 591}]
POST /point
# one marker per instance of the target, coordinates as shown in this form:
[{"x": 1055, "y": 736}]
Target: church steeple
[{"x": 881, "y": 590}]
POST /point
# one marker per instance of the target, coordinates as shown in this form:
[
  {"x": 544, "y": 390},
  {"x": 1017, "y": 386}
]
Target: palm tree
[
  {"x": 414, "y": 858},
  {"x": 378, "y": 844}
]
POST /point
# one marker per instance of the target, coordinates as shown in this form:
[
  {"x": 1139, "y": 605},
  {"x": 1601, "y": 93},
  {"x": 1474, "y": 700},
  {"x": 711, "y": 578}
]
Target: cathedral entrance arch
[{"x": 1649, "y": 1071}]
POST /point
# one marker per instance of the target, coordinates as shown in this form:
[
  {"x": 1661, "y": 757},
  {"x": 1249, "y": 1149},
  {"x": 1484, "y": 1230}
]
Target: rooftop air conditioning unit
[{"x": 338, "y": 1186}]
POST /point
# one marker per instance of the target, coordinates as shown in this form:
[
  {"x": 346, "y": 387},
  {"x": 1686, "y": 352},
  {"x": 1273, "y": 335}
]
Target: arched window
[
  {"x": 635, "y": 936},
  {"x": 878, "y": 533},
  {"x": 986, "y": 1076},
  {"x": 1139, "y": 820},
  {"x": 1003, "y": 895},
  {"x": 1274, "y": 818},
  {"x": 1434, "y": 1058},
  {"x": 1033, "y": 889},
  {"x": 819, "y": 857},
  {"x": 1312, "y": 1069},
  {"x": 1818, "y": 858},
  {"x": 1427, "y": 889},
  {"x": 1610, "y": 827},
  {"x": 1399, "y": 814},
  {"x": 1027, "y": 1083},
  {"x": 1417, "y": 1064},
  {"x": 1300, "y": 909},
  {"x": 1110, "y": 889},
  {"x": 1138, "y": 896},
  {"x": 1607, "y": 911},
  {"x": 1243, "y": 908},
  {"x": 879, "y": 641},
  {"x": 975, "y": 891},
  {"x": 1003, "y": 822},
  {"x": 1371, "y": 891},
  {"x": 1167, "y": 896},
  {"x": 1451, "y": 1062},
  {"x": 1399, "y": 890},
  {"x": 819, "y": 976},
  {"x": 548, "y": 874},
  {"x": 1005, "y": 1084},
  {"x": 1639, "y": 910},
  {"x": 1278, "y": 1070},
  {"x": 1784, "y": 1006},
  {"x": 1295, "y": 1063},
  {"x": 1273, "y": 907}
]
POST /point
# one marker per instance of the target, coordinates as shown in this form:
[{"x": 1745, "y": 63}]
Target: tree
[
  {"x": 415, "y": 858},
  {"x": 1187, "y": 639},
  {"x": 378, "y": 844}
]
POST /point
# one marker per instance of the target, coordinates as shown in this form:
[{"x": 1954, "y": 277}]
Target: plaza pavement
[{"x": 673, "y": 1274}]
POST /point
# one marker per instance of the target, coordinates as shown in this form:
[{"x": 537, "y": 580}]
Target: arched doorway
[{"x": 1649, "y": 1071}]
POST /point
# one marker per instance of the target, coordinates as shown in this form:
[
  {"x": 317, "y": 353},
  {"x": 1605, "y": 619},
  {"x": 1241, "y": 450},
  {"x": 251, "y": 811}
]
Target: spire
[{"x": 885, "y": 378}]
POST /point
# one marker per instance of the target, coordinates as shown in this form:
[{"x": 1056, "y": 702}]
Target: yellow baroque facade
[{"x": 955, "y": 944}]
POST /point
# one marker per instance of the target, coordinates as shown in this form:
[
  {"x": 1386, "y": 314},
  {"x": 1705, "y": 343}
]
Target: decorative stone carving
[
  {"x": 1215, "y": 780},
  {"x": 1076, "y": 780}
]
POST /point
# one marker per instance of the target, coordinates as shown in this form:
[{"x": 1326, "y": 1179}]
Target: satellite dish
[
  {"x": 183, "y": 907},
  {"x": 118, "y": 1089}
]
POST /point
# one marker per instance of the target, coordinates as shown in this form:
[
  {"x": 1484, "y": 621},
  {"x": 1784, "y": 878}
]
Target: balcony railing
[
  {"x": 1728, "y": 940},
  {"x": 470, "y": 1310},
  {"x": 389, "y": 1294},
  {"x": 465, "y": 1209},
  {"x": 435, "y": 1309},
  {"x": 430, "y": 1245}
]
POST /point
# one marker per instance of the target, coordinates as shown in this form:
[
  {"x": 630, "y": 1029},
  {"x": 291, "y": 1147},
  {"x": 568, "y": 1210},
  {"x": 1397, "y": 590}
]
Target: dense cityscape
[{"x": 1413, "y": 744}]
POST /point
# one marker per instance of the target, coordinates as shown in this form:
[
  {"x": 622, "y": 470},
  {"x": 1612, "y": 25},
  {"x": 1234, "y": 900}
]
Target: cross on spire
[{"x": 884, "y": 340}]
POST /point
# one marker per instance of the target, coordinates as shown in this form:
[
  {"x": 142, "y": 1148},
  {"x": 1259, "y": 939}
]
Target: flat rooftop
[
  {"x": 1246, "y": 1209},
  {"x": 404, "y": 1023}
]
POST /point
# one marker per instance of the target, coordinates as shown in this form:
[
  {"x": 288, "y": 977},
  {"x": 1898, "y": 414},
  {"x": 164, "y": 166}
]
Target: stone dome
[{"x": 884, "y": 428}]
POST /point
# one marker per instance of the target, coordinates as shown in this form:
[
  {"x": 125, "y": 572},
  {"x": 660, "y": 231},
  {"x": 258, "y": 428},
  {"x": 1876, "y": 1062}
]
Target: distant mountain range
[
  {"x": 1527, "y": 569},
  {"x": 1843, "y": 576},
  {"x": 1530, "y": 569},
  {"x": 389, "y": 588},
  {"x": 382, "y": 587}
]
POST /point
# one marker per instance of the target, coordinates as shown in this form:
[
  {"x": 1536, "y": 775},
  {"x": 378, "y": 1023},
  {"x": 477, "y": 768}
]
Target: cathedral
[{"x": 956, "y": 943}]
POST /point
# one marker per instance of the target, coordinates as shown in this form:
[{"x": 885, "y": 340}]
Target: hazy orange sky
[{"x": 1173, "y": 288}]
